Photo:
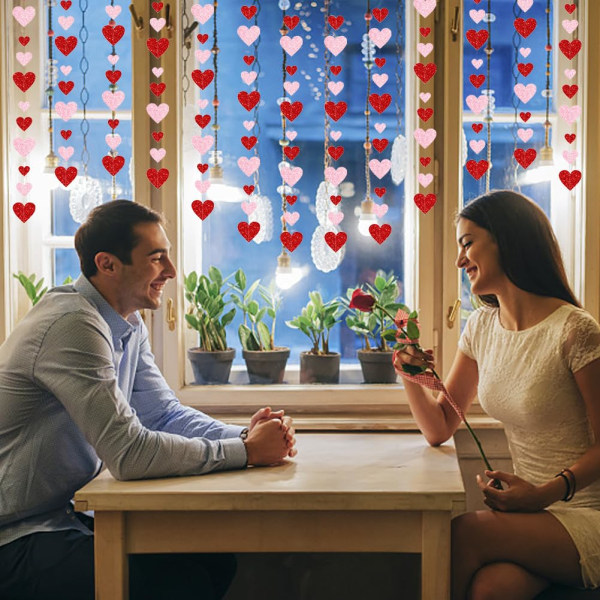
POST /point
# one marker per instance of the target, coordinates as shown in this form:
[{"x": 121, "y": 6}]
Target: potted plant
[
  {"x": 33, "y": 288},
  {"x": 265, "y": 362},
  {"x": 211, "y": 360},
  {"x": 318, "y": 365},
  {"x": 376, "y": 328}
]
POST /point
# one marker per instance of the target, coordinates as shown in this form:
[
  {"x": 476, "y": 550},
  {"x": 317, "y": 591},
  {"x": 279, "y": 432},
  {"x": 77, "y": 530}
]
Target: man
[{"x": 78, "y": 389}]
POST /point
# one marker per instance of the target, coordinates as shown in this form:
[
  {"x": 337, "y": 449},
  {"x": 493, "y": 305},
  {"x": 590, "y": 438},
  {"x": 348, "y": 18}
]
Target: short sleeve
[
  {"x": 580, "y": 340},
  {"x": 465, "y": 342}
]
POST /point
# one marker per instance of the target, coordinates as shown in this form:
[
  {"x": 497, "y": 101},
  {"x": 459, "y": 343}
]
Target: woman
[{"x": 532, "y": 356}]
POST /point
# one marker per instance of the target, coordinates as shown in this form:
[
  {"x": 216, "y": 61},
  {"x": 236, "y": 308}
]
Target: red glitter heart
[
  {"x": 249, "y": 142},
  {"x": 477, "y": 127},
  {"x": 66, "y": 45},
  {"x": 570, "y": 137},
  {"x": 380, "y": 62},
  {"x": 425, "y": 72},
  {"x": 157, "y": 176},
  {"x": 203, "y": 209},
  {"x": 65, "y": 133},
  {"x": 202, "y": 37},
  {"x": 157, "y": 47},
  {"x": 291, "y": 151},
  {"x": 248, "y": 59},
  {"x": 425, "y": 113},
  {"x": 380, "y": 13},
  {"x": 113, "y": 76},
  {"x": 335, "y": 151},
  {"x": 380, "y": 144},
  {"x": 291, "y": 199},
  {"x": 66, "y": 86},
  {"x": 525, "y": 68},
  {"x": 157, "y": 88},
  {"x": 570, "y": 49},
  {"x": 425, "y": 31},
  {"x": 336, "y": 69},
  {"x": 113, "y": 33},
  {"x": 291, "y": 22},
  {"x": 157, "y": 135},
  {"x": 525, "y": 116},
  {"x": 525, "y": 157},
  {"x": 477, "y": 38},
  {"x": 248, "y": 11},
  {"x": 570, "y": 90},
  {"x": 65, "y": 176},
  {"x": 425, "y": 202},
  {"x": 477, "y": 168},
  {"x": 380, "y": 102},
  {"x": 248, "y": 230},
  {"x": 335, "y": 199},
  {"x": 202, "y": 167},
  {"x": 24, "y": 170},
  {"x": 203, "y": 78},
  {"x": 425, "y": 160},
  {"x": 66, "y": 4},
  {"x": 379, "y": 191},
  {"x": 570, "y": 8},
  {"x": 24, "y": 122},
  {"x": 113, "y": 164},
  {"x": 249, "y": 100},
  {"x": 570, "y": 179},
  {"x": 291, "y": 240},
  {"x": 157, "y": 6},
  {"x": 380, "y": 233},
  {"x": 335, "y": 21},
  {"x": 24, "y": 40},
  {"x": 336, "y": 240},
  {"x": 290, "y": 110},
  {"x": 113, "y": 123},
  {"x": 23, "y": 211},
  {"x": 477, "y": 80},
  {"x": 249, "y": 189},
  {"x": 23, "y": 80},
  {"x": 335, "y": 110},
  {"x": 291, "y": 69},
  {"x": 525, "y": 27}
]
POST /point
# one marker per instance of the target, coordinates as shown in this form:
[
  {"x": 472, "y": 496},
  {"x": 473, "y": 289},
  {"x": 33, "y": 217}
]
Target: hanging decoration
[
  {"x": 518, "y": 132},
  {"x": 157, "y": 111},
  {"x": 65, "y": 110},
  {"x": 425, "y": 137},
  {"x": 24, "y": 15},
  {"x": 570, "y": 112},
  {"x": 113, "y": 97},
  {"x": 399, "y": 157}
]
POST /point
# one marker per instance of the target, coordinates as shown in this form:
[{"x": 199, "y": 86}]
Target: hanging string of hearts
[
  {"x": 158, "y": 110},
  {"x": 24, "y": 15},
  {"x": 290, "y": 110},
  {"x": 334, "y": 45},
  {"x": 202, "y": 143},
  {"x": 570, "y": 112},
  {"x": 424, "y": 135},
  {"x": 113, "y": 97},
  {"x": 65, "y": 110}
]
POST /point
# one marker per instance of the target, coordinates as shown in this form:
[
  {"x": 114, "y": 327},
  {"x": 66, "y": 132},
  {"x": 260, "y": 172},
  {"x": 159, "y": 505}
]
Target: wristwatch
[{"x": 244, "y": 434}]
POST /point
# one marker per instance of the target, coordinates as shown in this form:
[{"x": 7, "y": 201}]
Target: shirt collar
[{"x": 119, "y": 326}]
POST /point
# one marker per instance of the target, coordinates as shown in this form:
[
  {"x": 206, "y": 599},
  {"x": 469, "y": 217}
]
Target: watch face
[{"x": 244, "y": 434}]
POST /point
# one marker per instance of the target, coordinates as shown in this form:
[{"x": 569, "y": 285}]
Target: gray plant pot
[
  {"x": 211, "y": 367},
  {"x": 266, "y": 366},
  {"x": 377, "y": 367},
  {"x": 319, "y": 368}
]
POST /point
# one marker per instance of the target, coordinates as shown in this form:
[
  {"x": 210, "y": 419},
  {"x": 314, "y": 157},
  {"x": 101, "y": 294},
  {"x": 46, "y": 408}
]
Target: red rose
[{"x": 362, "y": 301}]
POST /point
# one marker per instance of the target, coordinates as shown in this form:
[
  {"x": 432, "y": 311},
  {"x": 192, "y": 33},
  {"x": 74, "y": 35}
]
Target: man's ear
[{"x": 107, "y": 264}]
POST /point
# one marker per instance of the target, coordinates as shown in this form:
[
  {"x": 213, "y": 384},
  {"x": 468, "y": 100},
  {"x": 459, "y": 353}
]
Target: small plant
[
  {"x": 316, "y": 320},
  {"x": 33, "y": 288},
  {"x": 254, "y": 333},
  {"x": 376, "y": 328},
  {"x": 207, "y": 304}
]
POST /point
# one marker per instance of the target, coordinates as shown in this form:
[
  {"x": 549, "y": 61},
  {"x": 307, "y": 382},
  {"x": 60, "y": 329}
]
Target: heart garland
[
  {"x": 157, "y": 111},
  {"x": 24, "y": 15},
  {"x": 113, "y": 33},
  {"x": 424, "y": 136},
  {"x": 570, "y": 112}
]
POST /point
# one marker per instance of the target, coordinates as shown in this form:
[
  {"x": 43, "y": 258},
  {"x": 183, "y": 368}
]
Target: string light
[
  {"x": 216, "y": 170},
  {"x": 488, "y": 117},
  {"x": 51, "y": 161}
]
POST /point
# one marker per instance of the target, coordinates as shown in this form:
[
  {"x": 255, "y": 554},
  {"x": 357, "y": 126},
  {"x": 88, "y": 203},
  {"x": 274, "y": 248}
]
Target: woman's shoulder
[{"x": 482, "y": 316}]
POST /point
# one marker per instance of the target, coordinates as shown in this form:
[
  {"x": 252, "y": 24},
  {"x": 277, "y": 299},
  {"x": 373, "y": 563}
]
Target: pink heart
[
  {"x": 291, "y": 44},
  {"x": 66, "y": 69},
  {"x": 424, "y": 7},
  {"x": 24, "y": 145},
  {"x": 202, "y": 55},
  {"x": 248, "y": 35},
  {"x": 65, "y": 22},
  {"x": 379, "y": 209},
  {"x": 248, "y": 125},
  {"x": 157, "y": 24},
  {"x": 202, "y": 13},
  {"x": 477, "y": 62},
  {"x": 570, "y": 73},
  {"x": 380, "y": 127},
  {"x": 157, "y": 112},
  {"x": 113, "y": 99},
  {"x": 524, "y": 92},
  {"x": 291, "y": 87},
  {"x": 157, "y": 153},
  {"x": 380, "y": 79},
  {"x": 248, "y": 77},
  {"x": 570, "y": 156},
  {"x": 202, "y": 143},
  {"x": 425, "y": 179},
  {"x": 570, "y": 25},
  {"x": 291, "y": 135},
  {"x": 335, "y": 44},
  {"x": 23, "y": 105},
  {"x": 202, "y": 186},
  {"x": 290, "y": 175},
  {"x": 525, "y": 52},
  {"x": 525, "y": 5},
  {"x": 425, "y": 96},
  {"x": 476, "y": 15},
  {"x": 379, "y": 168},
  {"x": 425, "y": 136},
  {"x": 113, "y": 11},
  {"x": 113, "y": 59},
  {"x": 291, "y": 217},
  {"x": 335, "y": 135},
  {"x": 248, "y": 165},
  {"x": 248, "y": 207},
  {"x": 425, "y": 49},
  {"x": 202, "y": 103},
  {"x": 66, "y": 152},
  {"x": 23, "y": 15},
  {"x": 477, "y": 103},
  {"x": 335, "y": 176},
  {"x": 23, "y": 57},
  {"x": 525, "y": 134},
  {"x": 23, "y": 188},
  {"x": 477, "y": 145},
  {"x": 157, "y": 71},
  {"x": 570, "y": 113},
  {"x": 65, "y": 111},
  {"x": 335, "y": 87},
  {"x": 335, "y": 216},
  {"x": 380, "y": 36},
  {"x": 112, "y": 141}
]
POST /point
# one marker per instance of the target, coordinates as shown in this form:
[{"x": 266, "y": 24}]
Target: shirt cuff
[{"x": 236, "y": 456}]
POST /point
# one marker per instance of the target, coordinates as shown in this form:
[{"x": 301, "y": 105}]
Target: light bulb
[
  {"x": 367, "y": 217},
  {"x": 543, "y": 171},
  {"x": 287, "y": 276},
  {"x": 49, "y": 180}
]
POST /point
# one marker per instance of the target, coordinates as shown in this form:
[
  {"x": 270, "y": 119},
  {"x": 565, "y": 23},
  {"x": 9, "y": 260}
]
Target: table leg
[
  {"x": 435, "y": 557},
  {"x": 111, "y": 561}
]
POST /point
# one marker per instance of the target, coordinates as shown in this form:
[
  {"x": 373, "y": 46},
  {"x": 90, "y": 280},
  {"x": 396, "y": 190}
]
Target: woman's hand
[
  {"x": 411, "y": 356},
  {"x": 518, "y": 495}
]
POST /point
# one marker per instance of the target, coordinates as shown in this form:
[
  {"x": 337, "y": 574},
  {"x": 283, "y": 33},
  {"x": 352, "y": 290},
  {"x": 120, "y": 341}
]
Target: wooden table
[{"x": 344, "y": 492}]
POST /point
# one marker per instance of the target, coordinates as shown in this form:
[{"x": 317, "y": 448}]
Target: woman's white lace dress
[{"x": 526, "y": 381}]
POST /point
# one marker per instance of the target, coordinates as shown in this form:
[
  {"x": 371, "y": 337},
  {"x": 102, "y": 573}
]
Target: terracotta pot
[
  {"x": 377, "y": 367},
  {"x": 211, "y": 367},
  {"x": 319, "y": 368},
  {"x": 266, "y": 366}
]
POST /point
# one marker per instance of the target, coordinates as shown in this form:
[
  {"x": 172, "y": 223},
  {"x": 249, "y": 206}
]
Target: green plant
[
  {"x": 316, "y": 320},
  {"x": 254, "y": 333},
  {"x": 207, "y": 304},
  {"x": 376, "y": 327},
  {"x": 33, "y": 288}
]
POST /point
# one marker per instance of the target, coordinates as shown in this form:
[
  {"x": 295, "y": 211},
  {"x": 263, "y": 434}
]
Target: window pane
[{"x": 66, "y": 264}]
